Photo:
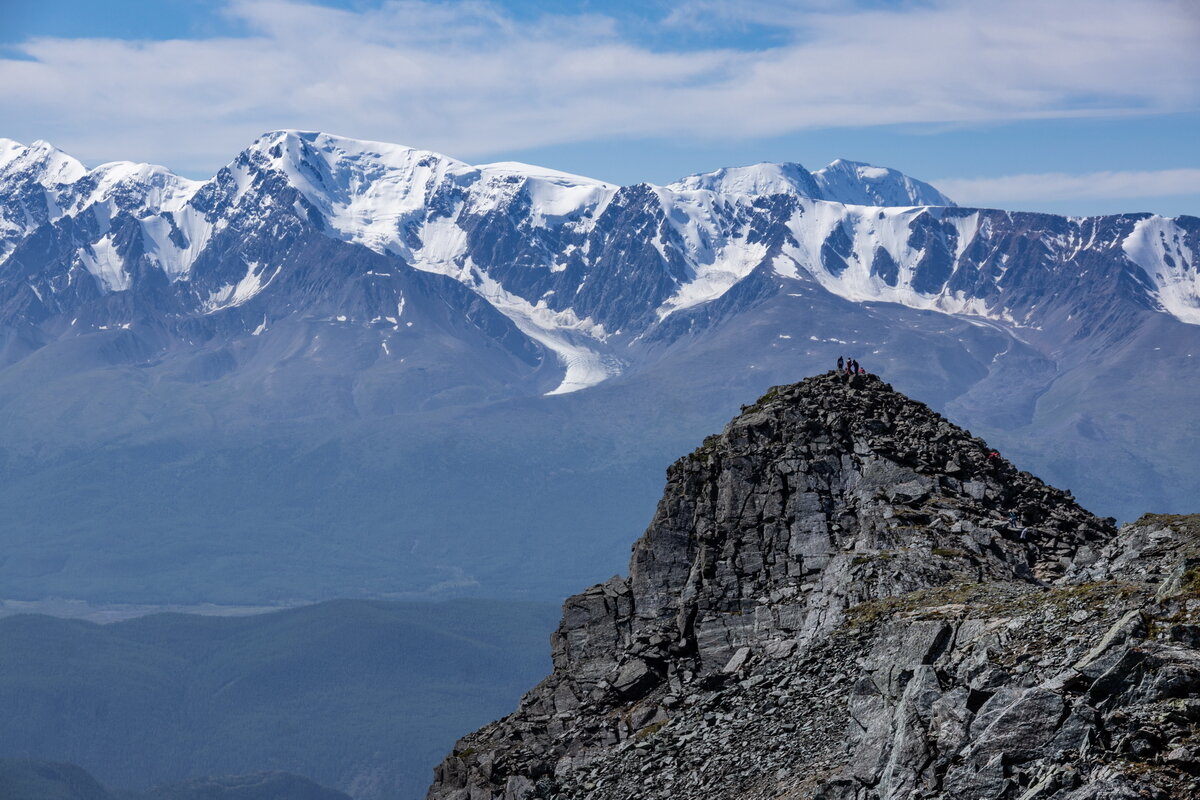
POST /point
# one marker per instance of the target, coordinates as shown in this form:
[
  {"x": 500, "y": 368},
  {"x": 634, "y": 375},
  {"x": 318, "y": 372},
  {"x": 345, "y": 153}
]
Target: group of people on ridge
[{"x": 850, "y": 366}]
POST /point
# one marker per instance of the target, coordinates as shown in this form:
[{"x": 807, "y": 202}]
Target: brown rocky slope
[{"x": 844, "y": 596}]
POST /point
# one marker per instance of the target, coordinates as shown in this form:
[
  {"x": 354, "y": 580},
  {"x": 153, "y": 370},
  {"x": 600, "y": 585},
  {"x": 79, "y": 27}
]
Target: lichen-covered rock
[{"x": 844, "y": 596}]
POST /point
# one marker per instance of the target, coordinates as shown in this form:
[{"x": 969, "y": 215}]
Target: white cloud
[
  {"x": 470, "y": 80},
  {"x": 1053, "y": 186}
]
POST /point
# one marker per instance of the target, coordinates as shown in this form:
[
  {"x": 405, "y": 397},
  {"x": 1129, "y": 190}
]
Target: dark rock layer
[{"x": 845, "y": 596}]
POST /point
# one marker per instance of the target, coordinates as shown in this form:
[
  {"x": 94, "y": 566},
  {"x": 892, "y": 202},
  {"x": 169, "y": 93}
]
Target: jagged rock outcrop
[{"x": 844, "y": 596}]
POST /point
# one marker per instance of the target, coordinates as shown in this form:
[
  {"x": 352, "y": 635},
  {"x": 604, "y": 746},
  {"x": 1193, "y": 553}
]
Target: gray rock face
[{"x": 843, "y": 596}]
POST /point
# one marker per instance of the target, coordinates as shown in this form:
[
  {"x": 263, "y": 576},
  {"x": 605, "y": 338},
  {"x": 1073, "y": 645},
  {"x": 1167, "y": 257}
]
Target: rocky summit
[{"x": 843, "y": 596}]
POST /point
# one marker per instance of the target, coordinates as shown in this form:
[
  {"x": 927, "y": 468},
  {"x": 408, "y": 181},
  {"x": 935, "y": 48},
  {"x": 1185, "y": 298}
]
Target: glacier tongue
[
  {"x": 414, "y": 203},
  {"x": 572, "y": 340}
]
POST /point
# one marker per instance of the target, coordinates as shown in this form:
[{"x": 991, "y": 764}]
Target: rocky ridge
[{"x": 844, "y": 596}]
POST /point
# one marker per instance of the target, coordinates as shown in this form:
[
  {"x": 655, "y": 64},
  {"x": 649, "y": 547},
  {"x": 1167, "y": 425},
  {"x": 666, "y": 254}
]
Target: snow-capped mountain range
[
  {"x": 159, "y": 334},
  {"x": 579, "y": 266}
]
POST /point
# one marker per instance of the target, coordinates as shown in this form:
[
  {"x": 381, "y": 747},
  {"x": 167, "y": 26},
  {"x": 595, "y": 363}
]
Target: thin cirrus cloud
[
  {"x": 1052, "y": 186},
  {"x": 472, "y": 79}
]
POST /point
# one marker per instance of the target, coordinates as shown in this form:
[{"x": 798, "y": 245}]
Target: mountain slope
[{"x": 843, "y": 595}]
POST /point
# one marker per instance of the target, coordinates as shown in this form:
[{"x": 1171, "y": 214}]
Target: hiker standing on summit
[{"x": 841, "y": 364}]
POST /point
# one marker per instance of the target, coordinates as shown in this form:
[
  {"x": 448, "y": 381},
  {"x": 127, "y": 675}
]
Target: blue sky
[{"x": 1075, "y": 106}]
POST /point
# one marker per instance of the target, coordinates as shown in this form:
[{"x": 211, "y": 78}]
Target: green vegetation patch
[
  {"x": 1180, "y": 523},
  {"x": 950, "y": 552},
  {"x": 1189, "y": 582},
  {"x": 771, "y": 394},
  {"x": 991, "y": 599},
  {"x": 651, "y": 729}
]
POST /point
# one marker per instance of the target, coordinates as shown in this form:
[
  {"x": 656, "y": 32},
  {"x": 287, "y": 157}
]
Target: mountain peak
[
  {"x": 334, "y": 147},
  {"x": 846, "y": 182},
  {"x": 764, "y": 178},
  {"x": 862, "y": 184},
  {"x": 821, "y": 497},
  {"x": 896, "y": 454},
  {"x": 133, "y": 184},
  {"x": 42, "y": 161}
]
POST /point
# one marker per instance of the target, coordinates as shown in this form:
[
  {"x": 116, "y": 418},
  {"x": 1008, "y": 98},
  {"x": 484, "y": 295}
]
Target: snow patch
[
  {"x": 785, "y": 266},
  {"x": 714, "y": 279},
  {"x": 1159, "y": 246},
  {"x": 174, "y": 260},
  {"x": 965, "y": 229},
  {"x": 872, "y": 230},
  {"x": 235, "y": 294},
  {"x": 102, "y": 260},
  {"x": 553, "y": 194}
]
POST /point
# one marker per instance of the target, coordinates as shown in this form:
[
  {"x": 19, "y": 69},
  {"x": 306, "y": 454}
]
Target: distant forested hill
[{"x": 362, "y": 696}]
